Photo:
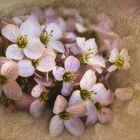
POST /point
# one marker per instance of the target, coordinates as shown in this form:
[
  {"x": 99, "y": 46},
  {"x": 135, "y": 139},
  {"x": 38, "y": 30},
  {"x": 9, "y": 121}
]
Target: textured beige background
[{"x": 126, "y": 124}]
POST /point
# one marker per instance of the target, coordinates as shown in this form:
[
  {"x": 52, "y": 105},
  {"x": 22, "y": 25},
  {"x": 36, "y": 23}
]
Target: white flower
[
  {"x": 89, "y": 93},
  {"x": 120, "y": 60},
  {"x": 66, "y": 117},
  {"x": 88, "y": 53},
  {"x": 24, "y": 43}
]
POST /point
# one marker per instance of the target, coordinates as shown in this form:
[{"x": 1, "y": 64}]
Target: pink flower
[
  {"x": 89, "y": 93},
  {"x": 45, "y": 63},
  {"x": 120, "y": 60},
  {"x": 24, "y": 43},
  {"x": 88, "y": 53},
  {"x": 41, "y": 95},
  {"x": 67, "y": 74},
  {"x": 66, "y": 117},
  {"x": 8, "y": 75}
]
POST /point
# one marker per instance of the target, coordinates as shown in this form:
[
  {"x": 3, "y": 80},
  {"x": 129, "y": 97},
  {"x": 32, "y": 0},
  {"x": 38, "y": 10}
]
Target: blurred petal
[
  {"x": 26, "y": 68},
  {"x": 60, "y": 104},
  {"x": 90, "y": 44},
  {"x": 124, "y": 54},
  {"x": 114, "y": 55},
  {"x": 77, "y": 110},
  {"x": 80, "y": 41},
  {"x": 75, "y": 98},
  {"x": 104, "y": 115},
  {"x": 88, "y": 80},
  {"x": 10, "y": 70},
  {"x": 11, "y": 32},
  {"x": 75, "y": 126},
  {"x": 56, "y": 45},
  {"x": 80, "y": 28},
  {"x": 4, "y": 60},
  {"x": 67, "y": 88},
  {"x": 36, "y": 108},
  {"x": 56, "y": 126},
  {"x": 91, "y": 113},
  {"x": 12, "y": 90},
  {"x": 37, "y": 90},
  {"x": 72, "y": 64},
  {"x": 58, "y": 73},
  {"x": 54, "y": 30},
  {"x": 14, "y": 52},
  {"x": 112, "y": 68}
]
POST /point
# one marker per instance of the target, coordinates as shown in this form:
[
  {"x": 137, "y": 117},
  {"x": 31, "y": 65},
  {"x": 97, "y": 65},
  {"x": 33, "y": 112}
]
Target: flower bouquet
[{"x": 63, "y": 61}]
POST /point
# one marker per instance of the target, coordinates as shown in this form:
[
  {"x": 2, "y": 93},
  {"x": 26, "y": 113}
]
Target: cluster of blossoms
[{"x": 62, "y": 61}]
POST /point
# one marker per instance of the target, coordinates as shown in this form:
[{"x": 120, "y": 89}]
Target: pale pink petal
[
  {"x": 96, "y": 61},
  {"x": 99, "y": 88},
  {"x": 124, "y": 54},
  {"x": 56, "y": 126},
  {"x": 72, "y": 64},
  {"x": 37, "y": 90},
  {"x": 26, "y": 68},
  {"x": 75, "y": 126},
  {"x": 78, "y": 110},
  {"x": 12, "y": 90},
  {"x": 36, "y": 108},
  {"x": 80, "y": 28},
  {"x": 88, "y": 80},
  {"x": 11, "y": 32},
  {"x": 91, "y": 113},
  {"x": 54, "y": 30},
  {"x": 104, "y": 115},
  {"x": 80, "y": 41},
  {"x": 75, "y": 98},
  {"x": 33, "y": 50},
  {"x": 4, "y": 60},
  {"x": 67, "y": 88},
  {"x": 60, "y": 104},
  {"x": 10, "y": 70},
  {"x": 90, "y": 44},
  {"x": 46, "y": 64},
  {"x": 112, "y": 68},
  {"x": 14, "y": 52},
  {"x": 114, "y": 55},
  {"x": 56, "y": 45},
  {"x": 30, "y": 27},
  {"x": 58, "y": 73}
]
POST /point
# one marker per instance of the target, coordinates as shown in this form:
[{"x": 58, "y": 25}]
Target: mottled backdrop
[{"x": 126, "y": 124}]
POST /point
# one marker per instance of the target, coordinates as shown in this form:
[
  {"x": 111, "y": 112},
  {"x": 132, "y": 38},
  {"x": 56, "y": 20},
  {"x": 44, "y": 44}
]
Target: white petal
[
  {"x": 112, "y": 68},
  {"x": 26, "y": 68},
  {"x": 99, "y": 88},
  {"x": 54, "y": 30},
  {"x": 56, "y": 45},
  {"x": 37, "y": 90},
  {"x": 80, "y": 41},
  {"x": 10, "y": 70},
  {"x": 88, "y": 80},
  {"x": 124, "y": 54},
  {"x": 75, "y": 98},
  {"x": 30, "y": 27},
  {"x": 67, "y": 88},
  {"x": 37, "y": 108},
  {"x": 75, "y": 126},
  {"x": 72, "y": 64},
  {"x": 80, "y": 28},
  {"x": 14, "y": 52},
  {"x": 12, "y": 90},
  {"x": 11, "y": 32},
  {"x": 60, "y": 104},
  {"x": 91, "y": 113},
  {"x": 46, "y": 64},
  {"x": 97, "y": 61},
  {"x": 33, "y": 50},
  {"x": 78, "y": 110},
  {"x": 56, "y": 126},
  {"x": 58, "y": 73},
  {"x": 90, "y": 44},
  {"x": 114, "y": 55}
]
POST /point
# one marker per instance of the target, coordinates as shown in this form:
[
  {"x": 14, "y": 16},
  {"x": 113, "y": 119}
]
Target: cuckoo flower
[
  {"x": 67, "y": 74},
  {"x": 88, "y": 53},
  {"x": 24, "y": 41},
  {"x": 45, "y": 63},
  {"x": 66, "y": 117},
  {"x": 89, "y": 94},
  {"x": 8, "y": 75},
  {"x": 120, "y": 60},
  {"x": 41, "y": 95}
]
